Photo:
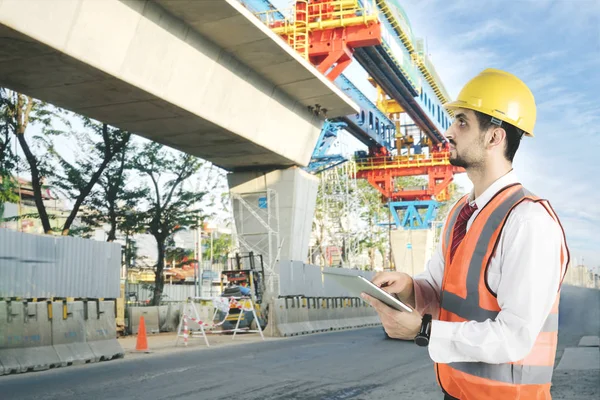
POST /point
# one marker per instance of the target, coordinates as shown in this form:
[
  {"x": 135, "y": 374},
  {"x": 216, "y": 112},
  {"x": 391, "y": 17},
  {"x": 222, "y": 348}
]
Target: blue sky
[{"x": 554, "y": 46}]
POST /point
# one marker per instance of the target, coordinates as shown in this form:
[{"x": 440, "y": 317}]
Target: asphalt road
[
  {"x": 334, "y": 366},
  {"x": 357, "y": 364}
]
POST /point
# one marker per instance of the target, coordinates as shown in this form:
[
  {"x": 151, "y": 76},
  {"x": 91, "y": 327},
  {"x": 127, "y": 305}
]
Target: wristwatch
[{"x": 422, "y": 338}]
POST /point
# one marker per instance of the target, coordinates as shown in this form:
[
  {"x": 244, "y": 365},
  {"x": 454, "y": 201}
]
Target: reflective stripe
[
  {"x": 551, "y": 323},
  {"x": 507, "y": 373},
  {"x": 466, "y": 309},
  {"x": 469, "y": 308},
  {"x": 492, "y": 223}
]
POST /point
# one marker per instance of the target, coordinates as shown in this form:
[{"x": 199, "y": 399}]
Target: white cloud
[{"x": 489, "y": 28}]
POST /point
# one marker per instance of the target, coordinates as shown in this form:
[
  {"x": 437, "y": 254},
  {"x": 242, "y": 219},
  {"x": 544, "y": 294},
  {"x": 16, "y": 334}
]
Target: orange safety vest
[{"x": 466, "y": 296}]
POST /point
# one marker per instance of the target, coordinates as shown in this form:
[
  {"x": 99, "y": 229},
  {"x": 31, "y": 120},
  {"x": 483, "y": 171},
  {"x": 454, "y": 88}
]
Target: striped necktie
[{"x": 460, "y": 227}]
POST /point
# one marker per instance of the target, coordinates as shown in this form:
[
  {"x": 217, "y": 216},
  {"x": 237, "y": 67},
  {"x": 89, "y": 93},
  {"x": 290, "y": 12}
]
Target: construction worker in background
[{"x": 487, "y": 304}]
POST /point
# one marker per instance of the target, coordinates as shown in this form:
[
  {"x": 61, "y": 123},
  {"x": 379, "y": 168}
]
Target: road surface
[{"x": 358, "y": 364}]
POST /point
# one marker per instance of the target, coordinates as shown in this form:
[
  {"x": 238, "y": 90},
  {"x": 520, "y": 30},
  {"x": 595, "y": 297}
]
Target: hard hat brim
[{"x": 453, "y": 105}]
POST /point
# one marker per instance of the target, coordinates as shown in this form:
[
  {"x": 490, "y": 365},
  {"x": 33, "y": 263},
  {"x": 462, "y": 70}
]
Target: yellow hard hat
[{"x": 501, "y": 95}]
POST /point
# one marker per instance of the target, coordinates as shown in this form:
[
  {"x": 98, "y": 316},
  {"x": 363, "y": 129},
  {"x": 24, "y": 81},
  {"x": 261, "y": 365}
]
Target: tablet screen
[{"x": 358, "y": 284}]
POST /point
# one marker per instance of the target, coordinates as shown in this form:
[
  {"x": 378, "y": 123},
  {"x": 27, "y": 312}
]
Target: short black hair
[{"x": 513, "y": 134}]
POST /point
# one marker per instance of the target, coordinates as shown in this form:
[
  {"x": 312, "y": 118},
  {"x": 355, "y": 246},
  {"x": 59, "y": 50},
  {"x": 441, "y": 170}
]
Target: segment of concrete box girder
[
  {"x": 153, "y": 75},
  {"x": 234, "y": 28}
]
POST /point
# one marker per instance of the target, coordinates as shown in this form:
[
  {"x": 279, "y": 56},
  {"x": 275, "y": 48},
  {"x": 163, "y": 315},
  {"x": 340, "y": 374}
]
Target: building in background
[
  {"x": 58, "y": 210},
  {"x": 581, "y": 275}
]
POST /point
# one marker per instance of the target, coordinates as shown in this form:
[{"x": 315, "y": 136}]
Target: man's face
[{"x": 467, "y": 148}]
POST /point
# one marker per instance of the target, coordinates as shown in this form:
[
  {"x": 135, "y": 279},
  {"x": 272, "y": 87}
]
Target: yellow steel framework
[
  {"x": 315, "y": 16},
  {"x": 387, "y": 12},
  {"x": 298, "y": 38},
  {"x": 412, "y": 161},
  {"x": 419, "y": 59},
  {"x": 384, "y": 102}
]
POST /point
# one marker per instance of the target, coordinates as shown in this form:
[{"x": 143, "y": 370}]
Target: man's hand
[
  {"x": 396, "y": 283},
  {"x": 397, "y": 324}
]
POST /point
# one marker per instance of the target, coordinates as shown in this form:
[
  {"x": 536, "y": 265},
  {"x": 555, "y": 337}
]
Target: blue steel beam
[
  {"x": 376, "y": 62},
  {"x": 408, "y": 215},
  {"x": 370, "y": 125},
  {"x": 320, "y": 160}
]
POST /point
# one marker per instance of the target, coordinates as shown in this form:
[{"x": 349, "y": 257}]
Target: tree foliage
[
  {"x": 112, "y": 202},
  {"x": 171, "y": 206},
  {"x": 218, "y": 247},
  {"x": 8, "y": 158},
  {"x": 374, "y": 214},
  {"x": 77, "y": 179},
  {"x": 18, "y": 113},
  {"x": 74, "y": 179}
]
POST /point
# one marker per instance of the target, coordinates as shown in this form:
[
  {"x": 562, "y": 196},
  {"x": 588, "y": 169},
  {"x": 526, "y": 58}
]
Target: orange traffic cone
[{"x": 142, "y": 341}]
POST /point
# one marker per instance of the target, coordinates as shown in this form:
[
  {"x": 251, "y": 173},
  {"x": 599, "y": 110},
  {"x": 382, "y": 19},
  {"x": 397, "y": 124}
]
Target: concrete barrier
[
  {"x": 101, "y": 331},
  {"x": 34, "y": 339},
  {"x": 164, "y": 317},
  {"x": 151, "y": 319},
  {"x": 26, "y": 338},
  {"x": 300, "y": 316},
  {"x": 68, "y": 335}
]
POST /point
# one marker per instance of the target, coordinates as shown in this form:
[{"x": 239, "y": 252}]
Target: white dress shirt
[{"x": 525, "y": 273}]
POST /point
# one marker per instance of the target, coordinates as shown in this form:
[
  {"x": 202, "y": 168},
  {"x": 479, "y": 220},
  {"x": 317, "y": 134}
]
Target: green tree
[
  {"x": 334, "y": 222},
  {"x": 373, "y": 212},
  {"x": 8, "y": 159},
  {"x": 219, "y": 248},
  {"x": 131, "y": 221},
  {"x": 319, "y": 225},
  {"x": 18, "y": 113},
  {"x": 177, "y": 257},
  {"x": 77, "y": 179},
  {"x": 112, "y": 203},
  {"x": 171, "y": 206}
]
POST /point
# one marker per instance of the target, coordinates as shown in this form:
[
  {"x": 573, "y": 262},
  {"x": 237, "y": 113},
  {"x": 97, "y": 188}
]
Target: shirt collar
[{"x": 505, "y": 180}]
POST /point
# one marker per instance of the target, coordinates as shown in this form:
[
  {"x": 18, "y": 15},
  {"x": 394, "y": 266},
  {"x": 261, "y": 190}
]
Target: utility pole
[{"x": 198, "y": 257}]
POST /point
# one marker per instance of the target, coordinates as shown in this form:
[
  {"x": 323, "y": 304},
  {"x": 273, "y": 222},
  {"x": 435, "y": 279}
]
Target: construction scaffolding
[
  {"x": 336, "y": 238},
  {"x": 257, "y": 230}
]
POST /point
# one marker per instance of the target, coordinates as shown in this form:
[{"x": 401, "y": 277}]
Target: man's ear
[{"x": 496, "y": 136}]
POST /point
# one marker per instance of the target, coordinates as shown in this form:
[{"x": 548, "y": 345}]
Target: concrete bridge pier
[{"x": 273, "y": 214}]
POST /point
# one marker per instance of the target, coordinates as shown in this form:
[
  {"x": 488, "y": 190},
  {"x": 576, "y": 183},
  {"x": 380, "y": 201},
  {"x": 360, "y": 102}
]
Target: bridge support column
[{"x": 273, "y": 214}]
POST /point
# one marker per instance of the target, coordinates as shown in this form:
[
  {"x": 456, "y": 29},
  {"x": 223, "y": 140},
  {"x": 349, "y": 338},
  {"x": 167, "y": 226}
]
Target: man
[{"x": 492, "y": 287}]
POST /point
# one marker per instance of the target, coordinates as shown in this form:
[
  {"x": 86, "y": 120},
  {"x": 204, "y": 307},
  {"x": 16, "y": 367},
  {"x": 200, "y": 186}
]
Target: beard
[
  {"x": 458, "y": 161},
  {"x": 472, "y": 157}
]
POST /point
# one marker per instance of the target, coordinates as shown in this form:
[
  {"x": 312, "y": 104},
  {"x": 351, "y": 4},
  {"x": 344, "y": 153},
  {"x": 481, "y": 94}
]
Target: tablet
[{"x": 358, "y": 284}]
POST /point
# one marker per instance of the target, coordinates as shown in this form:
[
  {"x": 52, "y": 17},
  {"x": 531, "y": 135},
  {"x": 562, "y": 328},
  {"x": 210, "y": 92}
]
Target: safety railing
[
  {"x": 412, "y": 161},
  {"x": 331, "y": 14}
]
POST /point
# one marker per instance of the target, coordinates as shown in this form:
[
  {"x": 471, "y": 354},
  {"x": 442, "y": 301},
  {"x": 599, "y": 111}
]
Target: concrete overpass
[{"x": 204, "y": 77}]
